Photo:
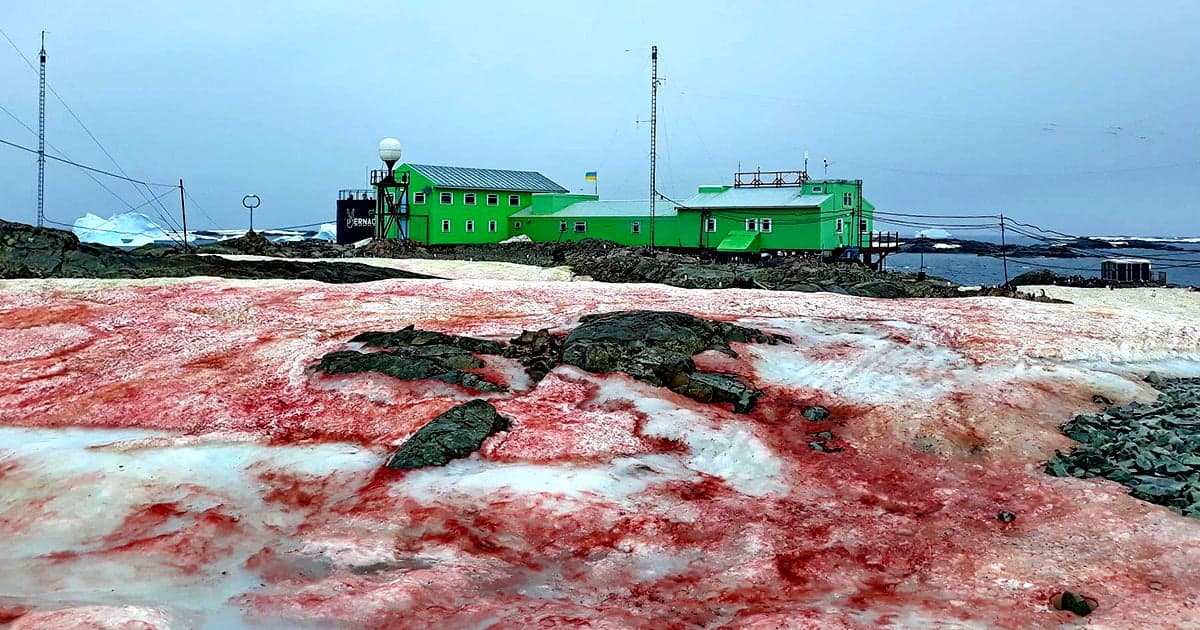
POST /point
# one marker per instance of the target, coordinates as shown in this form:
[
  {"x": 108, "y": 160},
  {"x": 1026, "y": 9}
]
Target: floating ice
[
  {"x": 128, "y": 229},
  {"x": 328, "y": 232}
]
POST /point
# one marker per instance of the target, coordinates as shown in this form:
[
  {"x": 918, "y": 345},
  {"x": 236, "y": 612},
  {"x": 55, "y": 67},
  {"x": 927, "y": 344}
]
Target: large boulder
[{"x": 453, "y": 434}]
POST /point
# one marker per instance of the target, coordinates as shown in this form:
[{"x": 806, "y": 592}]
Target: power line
[{"x": 85, "y": 167}]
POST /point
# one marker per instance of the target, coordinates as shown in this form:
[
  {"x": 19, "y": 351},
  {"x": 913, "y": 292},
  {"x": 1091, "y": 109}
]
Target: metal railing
[{"x": 356, "y": 193}]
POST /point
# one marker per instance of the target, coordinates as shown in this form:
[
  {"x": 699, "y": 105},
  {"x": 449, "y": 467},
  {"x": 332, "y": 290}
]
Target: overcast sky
[{"x": 1080, "y": 116}]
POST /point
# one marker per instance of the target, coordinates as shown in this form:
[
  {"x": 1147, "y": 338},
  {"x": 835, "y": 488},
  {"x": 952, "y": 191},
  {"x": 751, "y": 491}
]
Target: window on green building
[
  {"x": 817, "y": 189},
  {"x": 493, "y": 200},
  {"x": 447, "y": 198},
  {"x": 445, "y": 225},
  {"x": 492, "y": 226},
  {"x": 581, "y": 226},
  {"x": 710, "y": 225},
  {"x": 514, "y": 200},
  {"x": 470, "y": 225},
  {"x": 418, "y": 198},
  {"x": 751, "y": 225},
  {"x": 635, "y": 227},
  {"x": 469, "y": 199},
  {"x": 862, "y": 225},
  {"x": 517, "y": 225},
  {"x": 764, "y": 225},
  {"x": 838, "y": 226},
  {"x": 847, "y": 199},
  {"x": 562, "y": 226}
]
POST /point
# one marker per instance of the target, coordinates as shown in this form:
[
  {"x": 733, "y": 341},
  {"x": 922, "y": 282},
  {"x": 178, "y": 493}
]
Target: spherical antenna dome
[{"x": 389, "y": 150}]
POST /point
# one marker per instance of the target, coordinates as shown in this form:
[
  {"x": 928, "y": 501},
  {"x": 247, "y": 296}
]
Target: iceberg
[
  {"x": 328, "y": 232},
  {"x": 128, "y": 229},
  {"x": 934, "y": 233}
]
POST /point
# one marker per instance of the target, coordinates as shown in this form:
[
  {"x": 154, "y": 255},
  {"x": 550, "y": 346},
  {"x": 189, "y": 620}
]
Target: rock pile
[
  {"x": 651, "y": 346},
  {"x": 1153, "y": 449}
]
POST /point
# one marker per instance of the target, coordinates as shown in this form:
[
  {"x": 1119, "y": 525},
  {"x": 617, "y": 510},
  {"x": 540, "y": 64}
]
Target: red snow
[{"x": 898, "y": 527}]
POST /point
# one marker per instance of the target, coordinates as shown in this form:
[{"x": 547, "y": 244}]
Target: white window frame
[
  {"x": 493, "y": 199},
  {"x": 710, "y": 224},
  {"x": 446, "y": 226},
  {"x": 492, "y": 226},
  {"x": 580, "y": 227},
  {"x": 848, "y": 199},
  {"x": 418, "y": 199},
  {"x": 862, "y": 225},
  {"x": 517, "y": 225},
  {"x": 562, "y": 226},
  {"x": 514, "y": 200},
  {"x": 469, "y": 199},
  {"x": 635, "y": 227},
  {"x": 751, "y": 225},
  {"x": 444, "y": 196},
  {"x": 839, "y": 225},
  {"x": 817, "y": 189},
  {"x": 469, "y": 226},
  {"x": 765, "y": 225}
]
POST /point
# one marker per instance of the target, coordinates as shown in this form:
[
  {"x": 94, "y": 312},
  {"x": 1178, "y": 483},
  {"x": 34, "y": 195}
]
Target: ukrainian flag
[{"x": 590, "y": 176}]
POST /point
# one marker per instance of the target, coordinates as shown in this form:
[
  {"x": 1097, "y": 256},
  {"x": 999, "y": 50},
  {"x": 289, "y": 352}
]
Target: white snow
[
  {"x": 328, "y": 232},
  {"x": 934, "y": 233},
  {"x": 520, "y": 238},
  {"x": 559, "y": 486},
  {"x": 946, "y": 246},
  {"x": 128, "y": 229}
]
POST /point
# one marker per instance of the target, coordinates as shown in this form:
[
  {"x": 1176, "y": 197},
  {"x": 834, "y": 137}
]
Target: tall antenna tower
[
  {"x": 41, "y": 210},
  {"x": 653, "y": 134}
]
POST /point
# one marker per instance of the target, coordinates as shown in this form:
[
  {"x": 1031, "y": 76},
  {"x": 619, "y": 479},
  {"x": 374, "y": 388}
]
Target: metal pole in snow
[{"x": 1003, "y": 249}]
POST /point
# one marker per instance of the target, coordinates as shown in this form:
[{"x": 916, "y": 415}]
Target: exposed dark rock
[
  {"x": 816, "y": 413},
  {"x": 30, "y": 252},
  {"x": 1073, "y": 602},
  {"x": 1004, "y": 516},
  {"x": 657, "y": 347},
  {"x": 453, "y": 434},
  {"x": 715, "y": 387},
  {"x": 539, "y": 352},
  {"x": 410, "y": 336},
  {"x": 413, "y": 363},
  {"x": 1152, "y": 449}
]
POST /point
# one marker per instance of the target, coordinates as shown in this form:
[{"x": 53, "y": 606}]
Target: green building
[
  {"x": 817, "y": 215},
  {"x": 780, "y": 211},
  {"x": 451, "y": 205}
]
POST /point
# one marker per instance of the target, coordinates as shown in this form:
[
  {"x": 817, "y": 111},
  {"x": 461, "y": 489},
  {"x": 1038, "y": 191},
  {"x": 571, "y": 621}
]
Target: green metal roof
[
  {"x": 739, "y": 241},
  {"x": 487, "y": 179},
  {"x": 618, "y": 209},
  {"x": 766, "y": 197}
]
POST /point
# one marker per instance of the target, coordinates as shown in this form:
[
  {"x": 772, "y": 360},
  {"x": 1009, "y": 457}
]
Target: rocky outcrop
[
  {"x": 1153, "y": 449},
  {"x": 30, "y": 252},
  {"x": 410, "y": 336},
  {"x": 538, "y": 351},
  {"x": 657, "y": 347},
  {"x": 453, "y": 434},
  {"x": 413, "y": 363}
]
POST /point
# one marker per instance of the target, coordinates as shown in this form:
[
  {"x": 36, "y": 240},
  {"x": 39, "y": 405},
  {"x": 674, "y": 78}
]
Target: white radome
[{"x": 389, "y": 150}]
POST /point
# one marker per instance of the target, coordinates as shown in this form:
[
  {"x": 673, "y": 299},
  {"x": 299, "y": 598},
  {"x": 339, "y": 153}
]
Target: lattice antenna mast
[
  {"x": 41, "y": 186},
  {"x": 653, "y": 134}
]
